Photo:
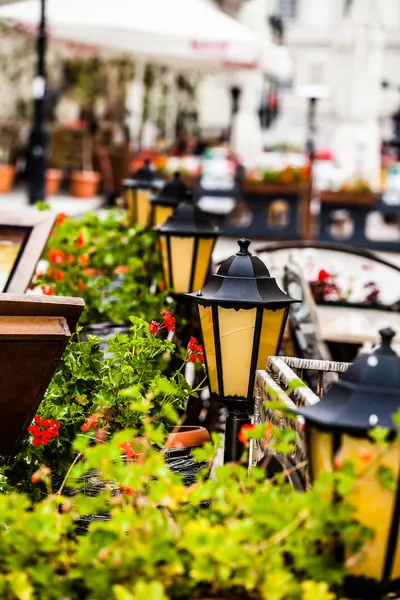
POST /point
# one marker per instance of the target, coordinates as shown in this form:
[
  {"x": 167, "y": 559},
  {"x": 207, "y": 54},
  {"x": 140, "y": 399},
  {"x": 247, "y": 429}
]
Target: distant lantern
[
  {"x": 138, "y": 190},
  {"x": 337, "y": 430},
  {"x": 187, "y": 241},
  {"x": 242, "y": 313},
  {"x": 164, "y": 204}
]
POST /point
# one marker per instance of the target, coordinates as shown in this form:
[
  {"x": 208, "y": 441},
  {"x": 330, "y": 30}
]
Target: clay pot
[
  {"x": 53, "y": 180},
  {"x": 84, "y": 184},
  {"x": 186, "y": 436},
  {"x": 7, "y": 173}
]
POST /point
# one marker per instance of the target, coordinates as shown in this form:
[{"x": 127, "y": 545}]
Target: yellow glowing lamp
[
  {"x": 337, "y": 430},
  {"x": 164, "y": 204},
  {"x": 242, "y": 314},
  {"x": 186, "y": 241},
  {"x": 137, "y": 191}
]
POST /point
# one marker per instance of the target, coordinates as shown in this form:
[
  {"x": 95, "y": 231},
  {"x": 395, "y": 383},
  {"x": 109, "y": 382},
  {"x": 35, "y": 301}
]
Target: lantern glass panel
[
  {"x": 164, "y": 258},
  {"x": 321, "y": 451},
  {"x": 143, "y": 207},
  {"x": 207, "y": 330},
  {"x": 374, "y": 504},
  {"x": 182, "y": 249},
  {"x": 161, "y": 214},
  {"x": 272, "y": 321},
  {"x": 236, "y": 330},
  {"x": 204, "y": 251}
]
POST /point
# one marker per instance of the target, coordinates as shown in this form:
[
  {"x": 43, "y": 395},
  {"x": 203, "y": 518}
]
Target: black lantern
[
  {"x": 337, "y": 430},
  {"x": 242, "y": 314},
  {"x": 138, "y": 190},
  {"x": 187, "y": 241},
  {"x": 164, "y": 204}
]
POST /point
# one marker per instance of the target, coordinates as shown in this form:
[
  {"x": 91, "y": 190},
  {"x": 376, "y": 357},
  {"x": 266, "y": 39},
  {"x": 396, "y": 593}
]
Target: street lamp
[
  {"x": 138, "y": 189},
  {"x": 313, "y": 92},
  {"x": 163, "y": 205},
  {"x": 242, "y": 314},
  {"x": 37, "y": 147},
  {"x": 337, "y": 430},
  {"x": 187, "y": 240}
]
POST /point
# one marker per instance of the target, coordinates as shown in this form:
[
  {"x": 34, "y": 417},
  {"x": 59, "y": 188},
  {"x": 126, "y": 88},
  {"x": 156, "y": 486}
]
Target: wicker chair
[{"x": 282, "y": 382}]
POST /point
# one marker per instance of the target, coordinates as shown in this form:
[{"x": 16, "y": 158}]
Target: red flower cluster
[
  {"x": 43, "y": 430},
  {"x": 242, "y": 435},
  {"x": 61, "y": 218},
  {"x": 80, "y": 240},
  {"x": 195, "y": 351},
  {"x": 91, "y": 422},
  {"x": 168, "y": 322},
  {"x": 55, "y": 274},
  {"x": 324, "y": 276},
  {"x": 57, "y": 257},
  {"x": 47, "y": 290},
  {"x": 128, "y": 451},
  {"x": 126, "y": 490}
]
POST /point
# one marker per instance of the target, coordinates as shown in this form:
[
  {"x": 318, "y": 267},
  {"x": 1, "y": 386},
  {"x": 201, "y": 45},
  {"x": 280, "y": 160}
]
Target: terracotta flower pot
[
  {"x": 53, "y": 180},
  {"x": 186, "y": 436},
  {"x": 7, "y": 173},
  {"x": 84, "y": 184}
]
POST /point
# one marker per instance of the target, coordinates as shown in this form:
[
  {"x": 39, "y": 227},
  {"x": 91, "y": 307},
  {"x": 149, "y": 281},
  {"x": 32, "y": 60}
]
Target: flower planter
[
  {"x": 348, "y": 198},
  {"x": 53, "y": 180},
  {"x": 177, "y": 457},
  {"x": 260, "y": 187},
  {"x": 7, "y": 173},
  {"x": 84, "y": 184}
]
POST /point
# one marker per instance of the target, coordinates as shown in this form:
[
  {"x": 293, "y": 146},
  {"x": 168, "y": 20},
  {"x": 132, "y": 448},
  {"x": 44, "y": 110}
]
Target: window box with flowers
[
  {"x": 327, "y": 291},
  {"x": 290, "y": 179},
  {"x": 358, "y": 193}
]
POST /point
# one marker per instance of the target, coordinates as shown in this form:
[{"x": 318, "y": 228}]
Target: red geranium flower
[
  {"x": 91, "y": 422},
  {"x": 128, "y": 451},
  {"x": 121, "y": 270},
  {"x": 83, "y": 260},
  {"x": 242, "y": 436},
  {"x": 154, "y": 327},
  {"x": 47, "y": 290},
  {"x": 43, "y": 431},
  {"x": 80, "y": 240},
  {"x": 82, "y": 285},
  {"x": 169, "y": 320},
  {"x": 324, "y": 276},
  {"x": 195, "y": 351},
  {"x": 57, "y": 257},
  {"x": 61, "y": 218},
  {"x": 55, "y": 274}
]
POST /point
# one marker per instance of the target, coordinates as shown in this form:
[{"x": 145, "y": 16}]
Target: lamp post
[
  {"x": 337, "y": 430},
  {"x": 242, "y": 314},
  {"x": 138, "y": 189},
  {"x": 313, "y": 92},
  {"x": 37, "y": 147},
  {"x": 187, "y": 240},
  {"x": 163, "y": 205}
]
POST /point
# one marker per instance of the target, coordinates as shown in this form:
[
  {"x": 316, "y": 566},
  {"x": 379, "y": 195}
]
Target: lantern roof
[
  {"x": 144, "y": 178},
  {"x": 173, "y": 192},
  {"x": 367, "y": 395},
  {"x": 188, "y": 221},
  {"x": 243, "y": 281}
]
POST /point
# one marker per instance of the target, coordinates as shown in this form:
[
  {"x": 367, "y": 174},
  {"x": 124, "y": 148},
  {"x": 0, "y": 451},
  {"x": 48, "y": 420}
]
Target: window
[{"x": 287, "y": 9}]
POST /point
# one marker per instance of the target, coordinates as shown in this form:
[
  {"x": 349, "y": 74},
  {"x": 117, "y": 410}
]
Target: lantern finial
[
  {"x": 244, "y": 247},
  {"x": 387, "y": 336}
]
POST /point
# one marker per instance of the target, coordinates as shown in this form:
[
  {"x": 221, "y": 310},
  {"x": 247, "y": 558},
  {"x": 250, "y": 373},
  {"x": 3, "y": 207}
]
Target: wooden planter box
[
  {"x": 348, "y": 198},
  {"x": 273, "y": 188}
]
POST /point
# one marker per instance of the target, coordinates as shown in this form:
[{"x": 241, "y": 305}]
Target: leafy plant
[
  {"x": 284, "y": 176},
  {"x": 98, "y": 396},
  {"x": 234, "y": 535},
  {"x": 106, "y": 262}
]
